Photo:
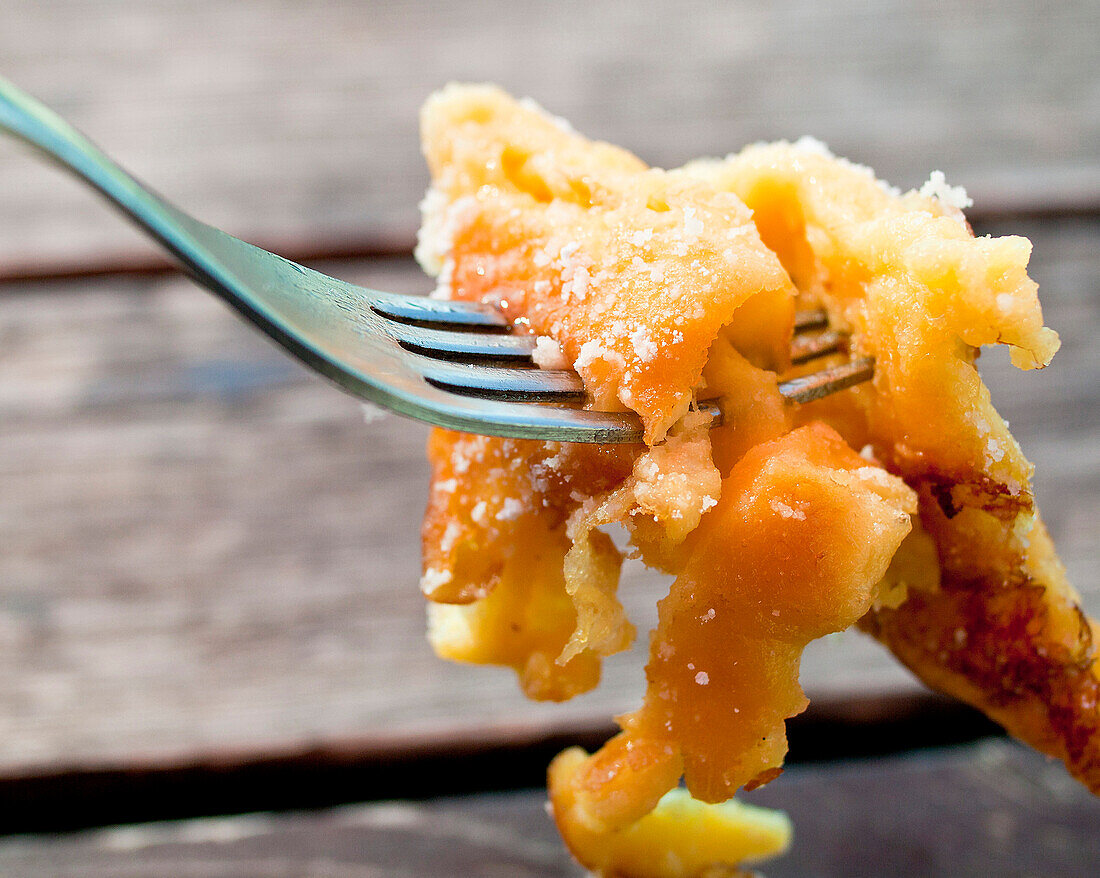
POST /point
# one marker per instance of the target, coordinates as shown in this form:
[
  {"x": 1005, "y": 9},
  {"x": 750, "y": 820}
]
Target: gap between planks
[
  {"x": 400, "y": 245},
  {"x": 510, "y": 757}
]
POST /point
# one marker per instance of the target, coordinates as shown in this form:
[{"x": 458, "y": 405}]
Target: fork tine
[
  {"x": 828, "y": 381},
  {"x": 423, "y": 311},
  {"x": 441, "y": 338},
  {"x": 496, "y": 417},
  {"x": 442, "y": 356},
  {"x": 499, "y": 382},
  {"x": 450, "y": 344},
  {"x": 815, "y": 318},
  {"x": 451, "y": 329},
  {"x": 809, "y": 347}
]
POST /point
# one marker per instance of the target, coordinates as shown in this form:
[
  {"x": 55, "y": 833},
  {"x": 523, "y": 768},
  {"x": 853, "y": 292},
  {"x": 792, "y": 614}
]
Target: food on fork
[{"x": 902, "y": 505}]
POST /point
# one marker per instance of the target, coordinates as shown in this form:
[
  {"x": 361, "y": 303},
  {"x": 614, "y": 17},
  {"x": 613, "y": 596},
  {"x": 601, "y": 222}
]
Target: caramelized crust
[
  {"x": 1002, "y": 651},
  {"x": 1005, "y": 639}
]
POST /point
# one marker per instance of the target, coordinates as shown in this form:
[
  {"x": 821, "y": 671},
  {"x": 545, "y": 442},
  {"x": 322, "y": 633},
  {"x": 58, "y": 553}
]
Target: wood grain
[
  {"x": 991, "y": 809},
  {"x": 207, "y": 553},
  {"x": 294, "y": 124}
]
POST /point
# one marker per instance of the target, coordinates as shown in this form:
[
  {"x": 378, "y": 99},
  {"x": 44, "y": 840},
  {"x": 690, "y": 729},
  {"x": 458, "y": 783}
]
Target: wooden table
[{"x": 208, "y": 559}]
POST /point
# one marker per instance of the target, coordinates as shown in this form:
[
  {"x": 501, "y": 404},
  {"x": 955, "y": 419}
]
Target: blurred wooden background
[
  {"x": 296, "y": 123},
  {"x": 205, "y": 552}
]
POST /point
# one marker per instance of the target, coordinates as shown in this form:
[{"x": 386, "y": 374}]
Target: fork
[{"x": 453, "y": 364}]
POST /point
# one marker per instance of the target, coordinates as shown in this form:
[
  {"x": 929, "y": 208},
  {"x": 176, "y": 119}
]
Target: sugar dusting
[
  {"x": 510, "y": 509},
  {"x": 433, "y": 579},
  {"x": 936, "y": 186},
  {"x": 548, "y": 354},
  {"x": 645, "y": 348}
]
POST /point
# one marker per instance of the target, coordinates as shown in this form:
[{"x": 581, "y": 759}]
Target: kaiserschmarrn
[{"x": 903, "y": 505}]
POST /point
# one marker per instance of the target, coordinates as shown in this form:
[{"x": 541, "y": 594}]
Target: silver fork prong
[
  {"x": 425, "y": 311},
  {"x": 442, "y": 358},
  {"x": 479, "y": 331},
  {"x": 828, "y": 381},
  {"x": 496, "y": 417},
  {"x": 414, "y": 325},
  {"x": 455, "y": 345},
  {"x": 808, "y": 347},
  {"x": 499, "y": 382},
  {"x": 815, "y": 318}
]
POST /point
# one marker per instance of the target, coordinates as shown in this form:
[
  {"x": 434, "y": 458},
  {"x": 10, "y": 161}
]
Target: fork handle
[{"x": 183, "y": 235}]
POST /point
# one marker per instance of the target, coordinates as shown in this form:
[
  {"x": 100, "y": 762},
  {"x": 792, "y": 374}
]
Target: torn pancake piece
[
  {"x": 664, "y": 288},
  {"x": 678, "y": 837},
  {"x": 495, "y": 549},
  {"x": 1001, "y": 628},
  {"x": 631, "y": 270},
  {"x": 803, "y": 533}
]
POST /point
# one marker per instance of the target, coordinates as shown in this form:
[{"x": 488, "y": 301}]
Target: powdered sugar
[
  {"x": 812, "y": 145},
  {"x": 786, "y": 511},
  {"x": 510, "y": 509},
  {"x": 548, "y": 354},
  {"x": 645, "y": 348},
  {"x": 873, "y": 475},
  {"x": 450, "y": 536},
  {"x": 693, "y": 226},
  {"x": 937, "y": 187},
  {"x": 596, "y": 350},
  {"x": 433, "y": 579}
]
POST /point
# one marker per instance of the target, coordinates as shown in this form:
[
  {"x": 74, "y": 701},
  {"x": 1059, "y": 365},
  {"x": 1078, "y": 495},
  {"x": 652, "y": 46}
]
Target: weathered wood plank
[
  {"x": 295, "y": 124},
  {"x": 990, "y": 809},
  {"x": 206, "y": 551}
]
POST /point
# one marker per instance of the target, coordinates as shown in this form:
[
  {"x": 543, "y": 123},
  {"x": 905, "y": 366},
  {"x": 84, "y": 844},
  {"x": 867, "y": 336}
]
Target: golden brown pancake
[{"x": 903, "y": 505}]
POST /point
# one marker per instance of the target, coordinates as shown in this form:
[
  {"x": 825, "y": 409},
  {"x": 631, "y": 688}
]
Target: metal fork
[{"x": 453, "y": 364}]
